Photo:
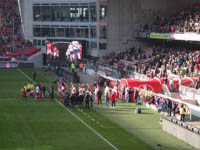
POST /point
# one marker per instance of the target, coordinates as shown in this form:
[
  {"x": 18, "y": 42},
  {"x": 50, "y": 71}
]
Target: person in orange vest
[{"x": 81, "y": 65}]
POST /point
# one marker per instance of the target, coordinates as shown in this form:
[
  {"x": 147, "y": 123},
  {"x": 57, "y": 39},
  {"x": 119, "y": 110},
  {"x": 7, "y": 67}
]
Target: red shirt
[{"x": 114, "y": 96}]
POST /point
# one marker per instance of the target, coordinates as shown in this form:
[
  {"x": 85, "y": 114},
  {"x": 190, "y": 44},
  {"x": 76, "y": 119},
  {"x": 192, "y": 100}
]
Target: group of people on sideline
[{"x": 30, "y": 90}]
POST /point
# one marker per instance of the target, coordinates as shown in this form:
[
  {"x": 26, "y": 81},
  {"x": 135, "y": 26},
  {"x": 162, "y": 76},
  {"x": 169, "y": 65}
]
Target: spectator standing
[
  {"x": 23, "y": 93},
  {"x": 169, "y": 107},
  {"x": 182, "y": 112},
  {"x": 136, "y": 96},
  {"x": 34, "y": 75},
  {"x": 114, "y": 98},
  {"x": 66, "y": 98},
  {"x": 57, "y": 69},
  {"x": 51, "y": 91},
  {"x": 72, "y": 67},
  {"x": 99, "y": 94},
  {"x": 87, "y": 100},
  {"x": 81, "y": 96},
  {"x": 72, "y": 99},
  {"x": 106, "y": 94},
  {"x": 171, "y": 85},
  {"x": 130, "y": 93},
  {"x": 43, "y": 89},
  {"x": 37, "y": 90},
  {"x": 123, "y": 94},
  {"x": 85, "y": 67},
  {"x": 198, "y": 84},
  {"x": 49, "y": 67}
]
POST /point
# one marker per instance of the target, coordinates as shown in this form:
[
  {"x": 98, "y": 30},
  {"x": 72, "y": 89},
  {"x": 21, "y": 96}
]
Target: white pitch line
[{"x": 73, "y": 114}]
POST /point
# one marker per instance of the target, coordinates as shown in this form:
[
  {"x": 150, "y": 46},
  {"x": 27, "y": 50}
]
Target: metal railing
[{"x": 191, "y": 93}]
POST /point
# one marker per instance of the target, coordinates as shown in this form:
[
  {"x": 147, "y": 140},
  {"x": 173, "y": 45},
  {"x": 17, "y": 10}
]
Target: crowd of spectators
[
  {"x": 163, "y": 105},
  {"x": 187, "y": 20},
  {"x": 160, "y": 62},
  {"x": 9, "y": 22},
  {"x": 125, "y": 62},
  {"x": 10, "y": 29}
]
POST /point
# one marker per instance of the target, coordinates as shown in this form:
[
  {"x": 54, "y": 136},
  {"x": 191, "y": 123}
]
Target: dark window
[
  {"x": 46, "y": 13},
  {"x": 37, "y": 32},
  {"x": 37, "y": 13},
  {"x": 46, "y": 32}
]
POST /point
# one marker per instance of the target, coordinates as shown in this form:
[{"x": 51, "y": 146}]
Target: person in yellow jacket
[
  {"x": 182, "y": 112},
  {"x": 73, "y": 67}
]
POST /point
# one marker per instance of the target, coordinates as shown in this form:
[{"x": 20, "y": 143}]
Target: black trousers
[
  {"x": 87, "y": 104},
  {"x": 99, "y": 100},
  {"x": 113, "y": 103},
  {"x": 183, "y": 117},
  {"x": 66, "y": 102},
  {"x": 80, "y": 101}
]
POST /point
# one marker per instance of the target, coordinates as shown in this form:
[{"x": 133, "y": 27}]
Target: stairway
[{"x": 86, "y": 78}]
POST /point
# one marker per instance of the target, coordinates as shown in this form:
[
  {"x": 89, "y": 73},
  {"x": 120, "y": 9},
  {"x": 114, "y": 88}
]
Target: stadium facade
[{"x": 103, "y": 25}]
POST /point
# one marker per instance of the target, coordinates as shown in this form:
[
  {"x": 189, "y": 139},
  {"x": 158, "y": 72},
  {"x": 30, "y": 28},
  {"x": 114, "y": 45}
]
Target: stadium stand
[
  {"x": 11, "y": 38},
  {"x": 156, "y": 61},
  {"x": 186, "y": 20}
]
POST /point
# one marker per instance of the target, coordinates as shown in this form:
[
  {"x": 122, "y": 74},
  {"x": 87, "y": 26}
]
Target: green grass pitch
[{"x": 45, "y": 125}]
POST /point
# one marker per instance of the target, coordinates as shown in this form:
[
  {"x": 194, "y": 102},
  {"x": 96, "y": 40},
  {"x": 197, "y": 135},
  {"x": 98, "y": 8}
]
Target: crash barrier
[
  {"x": 182, "y": 131},
  {"x": 191, "y": 93}
]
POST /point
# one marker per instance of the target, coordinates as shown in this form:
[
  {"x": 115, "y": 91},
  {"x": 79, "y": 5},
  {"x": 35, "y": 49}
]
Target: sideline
[{"x": 73, "y": 114}]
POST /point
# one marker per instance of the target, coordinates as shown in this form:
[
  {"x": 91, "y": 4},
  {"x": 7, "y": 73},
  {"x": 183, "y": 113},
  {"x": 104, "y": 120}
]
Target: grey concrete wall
[
  {"x": 124, "y": 16},
  {"x": 181, "y": 133},
  {"x": 27, "y": 17}
]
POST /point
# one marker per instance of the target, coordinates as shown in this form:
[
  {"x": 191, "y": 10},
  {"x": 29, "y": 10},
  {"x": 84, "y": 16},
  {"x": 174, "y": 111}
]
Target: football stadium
[{"x": 99, "y": 74}]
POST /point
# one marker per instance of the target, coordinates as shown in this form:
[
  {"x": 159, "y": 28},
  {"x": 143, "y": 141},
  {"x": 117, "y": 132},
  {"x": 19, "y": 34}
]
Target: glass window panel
[
  {"x": 46, "y": 32},
  {"x": 93, "y": 15},
  {"x": 71, "y": 32},
  {"x": 60, "y": 32},
  {"x": 78, "y": 33},
  {"x": 74, "y": 14},
  {"x": 65, "y": 14},
  {"x": 102, "y": 31},
  {"x": 46, "y": 14},
  {"x": 39, "y": 43},
  {"x": 53, "y": 32},
  {"x": 82, "y": 33},
  {"x": 67, "y": 32},
  {"x": 93, "y": 32},
  {"x": 43, "y": 43},
  {"x": 55, "y": 13},
  {"x": 103, "y": 13},
  {"x": 102, "y": 45},
  {"x": 36, "y": 13},
  {"x": 37, "y": 32},
  {"x": 93, "y": 45},
  {"x": 34, "y": 42},
  {"x": 85, "y": 14},
  {"x": 86, "y": 33}
]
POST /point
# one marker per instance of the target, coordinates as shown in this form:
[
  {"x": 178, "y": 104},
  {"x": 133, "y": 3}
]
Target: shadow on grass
[{"x": 145, "y": 113}]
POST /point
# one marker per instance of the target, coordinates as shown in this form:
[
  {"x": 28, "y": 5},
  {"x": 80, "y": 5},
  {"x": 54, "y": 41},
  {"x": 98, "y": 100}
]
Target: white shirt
[
  {"x": 73, "y": 90},
  {"x": 115, "y": 89},
  {"x": 106, "y": 90},
  {"x": 37, "y": 89},
  {"x": 80, "y": 91}
]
